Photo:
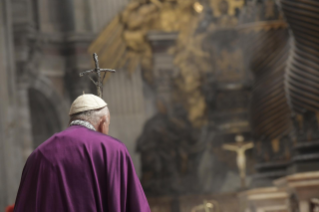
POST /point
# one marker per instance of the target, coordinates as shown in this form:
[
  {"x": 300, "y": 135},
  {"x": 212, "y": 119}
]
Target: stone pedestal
[
  {"x": 269, "y": 199},
  {"x": 161, "y": 204},
  {"x": 25, "y": 120},
  {"x": 302, "y": 187}
]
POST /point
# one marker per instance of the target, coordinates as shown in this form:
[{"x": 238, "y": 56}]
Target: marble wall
[
  {"x": 10, "y": 151},
  {"x": 104, "y": 11}
]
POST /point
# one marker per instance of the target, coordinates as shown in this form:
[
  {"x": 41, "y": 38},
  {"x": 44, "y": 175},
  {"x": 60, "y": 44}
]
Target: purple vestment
[{"x": 79, "y": 170}]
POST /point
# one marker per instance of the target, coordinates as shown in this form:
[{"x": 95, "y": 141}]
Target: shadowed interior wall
[
  {"x": 44, "y": 117},
  {"x": 123, "y": 93},
  {"x": 10, "y": 151}
]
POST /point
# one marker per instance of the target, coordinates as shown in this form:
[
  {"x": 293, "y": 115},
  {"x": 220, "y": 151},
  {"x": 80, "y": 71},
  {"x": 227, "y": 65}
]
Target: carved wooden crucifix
[{"x": 97, "y": 71}]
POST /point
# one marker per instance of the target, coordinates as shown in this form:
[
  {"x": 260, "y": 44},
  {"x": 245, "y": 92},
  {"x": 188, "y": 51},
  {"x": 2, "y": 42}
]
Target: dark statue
[{"x": 170, "y": 153}]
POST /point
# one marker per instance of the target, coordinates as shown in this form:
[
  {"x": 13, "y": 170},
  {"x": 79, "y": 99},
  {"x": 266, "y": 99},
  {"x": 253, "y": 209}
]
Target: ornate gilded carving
[
  {"x": 201, "y": 49},
  {"x": 123, "y": 42}
]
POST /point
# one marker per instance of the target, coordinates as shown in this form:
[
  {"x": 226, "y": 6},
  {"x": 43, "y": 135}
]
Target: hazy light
[{"x": 198, "y": 7}]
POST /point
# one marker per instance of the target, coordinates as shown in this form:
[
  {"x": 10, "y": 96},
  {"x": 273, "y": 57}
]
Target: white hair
[{"x": 92, "y": 116}]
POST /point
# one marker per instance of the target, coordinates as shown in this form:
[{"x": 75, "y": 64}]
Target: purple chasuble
[{"x": 79, "y": 170}]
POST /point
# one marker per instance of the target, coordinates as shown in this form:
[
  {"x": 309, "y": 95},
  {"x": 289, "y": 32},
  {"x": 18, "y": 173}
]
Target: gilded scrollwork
[{"x": 123, "y": 42}]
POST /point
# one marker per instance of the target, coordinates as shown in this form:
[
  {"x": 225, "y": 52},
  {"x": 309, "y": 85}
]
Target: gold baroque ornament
[
  {"x": 232, "y": 6},
  {"x": 123, "y": 43},
  {"x": 192, "y": 62}
]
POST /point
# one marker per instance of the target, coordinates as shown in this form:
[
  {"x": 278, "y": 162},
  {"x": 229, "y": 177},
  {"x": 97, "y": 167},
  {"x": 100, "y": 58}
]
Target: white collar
[{"x": 83, "y": 123}]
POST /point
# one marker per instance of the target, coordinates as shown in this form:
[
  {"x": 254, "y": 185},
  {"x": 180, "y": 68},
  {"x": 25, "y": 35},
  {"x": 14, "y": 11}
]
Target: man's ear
[{"x": 103, "y": 126}]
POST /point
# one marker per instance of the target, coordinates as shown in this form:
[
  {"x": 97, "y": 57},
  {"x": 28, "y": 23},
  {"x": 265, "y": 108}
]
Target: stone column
[
  {"x": 267, "y": 49},
  {"x": 82, "y": 18},
  {"x": 24, "y": 26},
  {"x": 301, "y": 80},
  {"x": 78, "y": 60},
  {"x": 10, "y": 152},
  {"x": 25, "y": 120}
]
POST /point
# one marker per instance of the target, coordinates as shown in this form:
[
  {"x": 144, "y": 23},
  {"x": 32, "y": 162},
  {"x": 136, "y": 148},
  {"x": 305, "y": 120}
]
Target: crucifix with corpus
[
  {"x": 240, "y": 148},
  {"x": 97, "y": 71}
]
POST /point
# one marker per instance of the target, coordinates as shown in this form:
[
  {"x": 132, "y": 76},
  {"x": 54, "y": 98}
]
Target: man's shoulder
[
  {"x": 79, "y": 135},
  {"x": 107, "y": 140},
  {"x": 76, "y": 139}
]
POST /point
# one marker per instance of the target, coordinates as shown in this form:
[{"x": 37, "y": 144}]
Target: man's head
[{"x": 92, "y": 109}]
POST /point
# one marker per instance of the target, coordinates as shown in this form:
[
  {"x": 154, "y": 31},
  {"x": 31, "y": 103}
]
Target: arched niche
[{"x": 44, "y": 117}]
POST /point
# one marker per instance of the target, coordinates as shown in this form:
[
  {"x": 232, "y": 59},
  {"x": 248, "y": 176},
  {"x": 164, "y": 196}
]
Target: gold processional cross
[
  {"x": 240, "y": 148},
  {"x": 97, "y": 71}
]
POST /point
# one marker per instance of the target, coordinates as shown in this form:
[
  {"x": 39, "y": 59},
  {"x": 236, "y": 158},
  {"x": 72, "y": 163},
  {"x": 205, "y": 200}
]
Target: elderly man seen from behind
[{"x": 81, "y": 169}]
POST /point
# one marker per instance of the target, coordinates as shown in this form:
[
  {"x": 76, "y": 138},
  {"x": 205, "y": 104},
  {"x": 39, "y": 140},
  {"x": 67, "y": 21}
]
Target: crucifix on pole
[{"x": 97, "y": 71}]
